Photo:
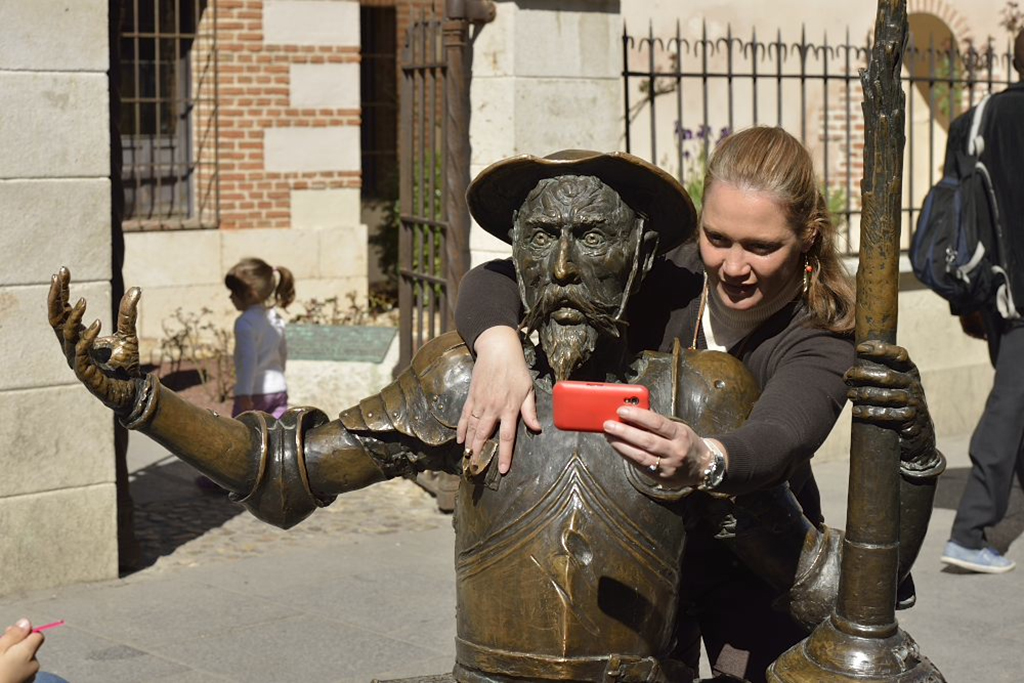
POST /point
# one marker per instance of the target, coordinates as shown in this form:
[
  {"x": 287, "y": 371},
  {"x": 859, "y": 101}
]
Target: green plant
[
  {"x": 695, "y": 146},
  {"x": 379, "y": 310},
  {"x": 1012, "y": 18},
  {"x": 949, "y": 91},
  {"x": 193, "y": 337},
  {"x": 386, "y": 239},
  {"x": 836, "y": 200}
]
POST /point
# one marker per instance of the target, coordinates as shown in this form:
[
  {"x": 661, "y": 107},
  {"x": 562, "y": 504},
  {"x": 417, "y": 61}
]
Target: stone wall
[
  {"x": 546, "y": 76},
  {"x": 57, "y": 498}
]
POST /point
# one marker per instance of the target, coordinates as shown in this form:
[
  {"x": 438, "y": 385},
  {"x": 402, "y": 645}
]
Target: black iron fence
[
  {"x": 433, "y": 176},
  {"x": 683, "y": 94}
]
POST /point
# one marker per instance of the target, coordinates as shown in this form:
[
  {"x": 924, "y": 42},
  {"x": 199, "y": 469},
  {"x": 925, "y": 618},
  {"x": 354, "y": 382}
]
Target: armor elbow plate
[{"x": 282, "y": 495}]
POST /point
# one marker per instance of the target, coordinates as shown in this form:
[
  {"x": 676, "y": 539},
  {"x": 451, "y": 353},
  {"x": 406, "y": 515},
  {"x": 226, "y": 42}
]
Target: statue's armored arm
[
  {"x": 767, "y": 530},
  {"x": 408, "y": 427},
  {"x": 255, "y": 457},
  {"x": 282, "y": 470}
]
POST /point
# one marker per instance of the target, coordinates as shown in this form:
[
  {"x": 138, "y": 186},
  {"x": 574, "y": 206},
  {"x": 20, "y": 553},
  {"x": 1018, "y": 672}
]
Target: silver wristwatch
[{"x": 714, "y": 473}]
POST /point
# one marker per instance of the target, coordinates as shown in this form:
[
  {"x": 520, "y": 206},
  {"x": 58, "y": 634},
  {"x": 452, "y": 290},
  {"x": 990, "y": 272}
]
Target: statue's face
[{"x": 575, "y": 246}]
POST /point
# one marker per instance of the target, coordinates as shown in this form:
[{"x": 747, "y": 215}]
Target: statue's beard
[{"x": 568, "y": 346}]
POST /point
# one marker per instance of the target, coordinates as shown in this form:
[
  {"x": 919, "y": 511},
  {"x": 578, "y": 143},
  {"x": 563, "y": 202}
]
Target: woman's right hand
[
  {"x": 501, "y": 390},
  {"x": 18, "y": 646}
]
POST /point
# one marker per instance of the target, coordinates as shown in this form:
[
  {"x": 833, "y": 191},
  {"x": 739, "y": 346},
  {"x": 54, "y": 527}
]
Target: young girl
[{"x": 260, "y": 346}]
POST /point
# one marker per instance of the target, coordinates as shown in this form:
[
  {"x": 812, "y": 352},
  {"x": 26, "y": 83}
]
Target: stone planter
[{"x": 332, "y": 367}]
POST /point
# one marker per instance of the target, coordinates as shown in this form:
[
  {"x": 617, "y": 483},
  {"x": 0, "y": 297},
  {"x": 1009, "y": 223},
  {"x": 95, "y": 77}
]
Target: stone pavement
[{"x": 364, "y": 589}]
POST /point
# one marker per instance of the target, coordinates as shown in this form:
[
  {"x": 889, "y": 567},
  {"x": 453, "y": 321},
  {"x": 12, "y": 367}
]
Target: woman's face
[{"x": 749, "y": 250}]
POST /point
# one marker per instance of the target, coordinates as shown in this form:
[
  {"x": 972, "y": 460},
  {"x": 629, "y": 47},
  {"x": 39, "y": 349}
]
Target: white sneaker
[{"x": 985, "y": 560}]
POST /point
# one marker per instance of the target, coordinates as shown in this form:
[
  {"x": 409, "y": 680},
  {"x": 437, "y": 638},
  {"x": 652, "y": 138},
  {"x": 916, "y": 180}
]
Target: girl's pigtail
[{"x": 285, "y": 292}]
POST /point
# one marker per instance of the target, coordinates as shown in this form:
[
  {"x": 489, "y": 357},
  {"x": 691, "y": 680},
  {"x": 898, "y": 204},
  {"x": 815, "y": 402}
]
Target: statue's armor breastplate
[{"x": 562, "y": 562}]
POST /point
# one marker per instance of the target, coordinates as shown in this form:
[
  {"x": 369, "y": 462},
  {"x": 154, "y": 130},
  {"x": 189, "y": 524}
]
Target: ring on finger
[{"x": 655, "y": 465}]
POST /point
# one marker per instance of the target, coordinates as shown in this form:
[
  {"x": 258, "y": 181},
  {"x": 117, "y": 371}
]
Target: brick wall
[{"x": 255, "y": 95}]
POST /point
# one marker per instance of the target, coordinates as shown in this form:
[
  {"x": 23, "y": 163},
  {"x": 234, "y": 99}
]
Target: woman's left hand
[
  {"x": 663, "y": 448},
  {"x": 885, "y": 389}
]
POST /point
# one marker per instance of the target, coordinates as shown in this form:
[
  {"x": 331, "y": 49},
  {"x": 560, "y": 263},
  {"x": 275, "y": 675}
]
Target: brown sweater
[{"x": 799, "y": 368}]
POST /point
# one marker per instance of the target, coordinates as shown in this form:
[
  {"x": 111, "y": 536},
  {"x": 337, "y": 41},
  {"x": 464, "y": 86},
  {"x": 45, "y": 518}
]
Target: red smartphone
[{"x": 585, "y": 406}]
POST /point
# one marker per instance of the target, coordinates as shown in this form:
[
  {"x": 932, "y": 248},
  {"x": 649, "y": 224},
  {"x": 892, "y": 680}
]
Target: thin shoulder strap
[{"x": 976, "y": 141}]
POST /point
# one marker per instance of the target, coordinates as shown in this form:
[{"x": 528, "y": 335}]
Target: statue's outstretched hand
[
  {"x": 886, "y": 391},
  {"x": 107, "y": 366}
]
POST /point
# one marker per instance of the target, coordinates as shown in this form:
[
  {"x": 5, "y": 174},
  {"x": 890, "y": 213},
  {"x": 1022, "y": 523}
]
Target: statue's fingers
[
  {"x": 56, "y": 303},
  {"x": 879, "y": 396},
  {"x": 64, "y": 277},
  {"x": 892, "y": 355},
  {"x": 885, "y": 415},
  {"x": 84, "y": 367},
  {"x": 128, "y": 312},
  {"x": 871, "y": 374},
  {"x": 73, "y": 324}
]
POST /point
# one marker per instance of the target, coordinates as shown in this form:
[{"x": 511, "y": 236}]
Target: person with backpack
[{"x": 997, "y": 445}]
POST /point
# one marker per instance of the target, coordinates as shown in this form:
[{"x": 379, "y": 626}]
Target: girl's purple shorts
[{"x": 275, "y": 404}]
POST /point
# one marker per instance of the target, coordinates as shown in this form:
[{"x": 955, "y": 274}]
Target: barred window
[
  {"x": 379, "y": 102},
  {"x": 168, "y": 114}
]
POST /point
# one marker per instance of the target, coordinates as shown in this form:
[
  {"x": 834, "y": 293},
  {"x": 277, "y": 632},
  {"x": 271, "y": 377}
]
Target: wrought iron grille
[
  {"x": 169, "y": 113},
  {"x": 379, "y": 101},
  {"x": 682, "y": 94},
  {"x": 422, "y": 266}
]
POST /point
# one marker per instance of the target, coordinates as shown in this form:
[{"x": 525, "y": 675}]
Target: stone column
[
  {"x": 546, "y": 76},
  {"x": 57, "y": 496}
]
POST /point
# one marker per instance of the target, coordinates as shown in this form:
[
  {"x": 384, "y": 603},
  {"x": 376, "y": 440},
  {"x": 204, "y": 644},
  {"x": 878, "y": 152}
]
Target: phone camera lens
[{"x": 633, "y": 401}]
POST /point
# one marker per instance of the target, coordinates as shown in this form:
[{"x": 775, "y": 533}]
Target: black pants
[
  {"x": 997, "y": 446},
  {"x": 731, "y": 609}
]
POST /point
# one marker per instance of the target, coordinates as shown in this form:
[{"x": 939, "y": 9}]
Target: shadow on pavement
[{"x": 171, "y": 510}]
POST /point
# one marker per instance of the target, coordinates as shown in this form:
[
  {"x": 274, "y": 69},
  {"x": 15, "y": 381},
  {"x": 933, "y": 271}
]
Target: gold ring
[{"x": 656, "y": 465}]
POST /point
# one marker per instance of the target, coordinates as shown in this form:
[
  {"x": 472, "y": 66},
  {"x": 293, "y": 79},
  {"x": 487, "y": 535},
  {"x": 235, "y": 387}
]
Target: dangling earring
[{"x": 808, "y": 271}]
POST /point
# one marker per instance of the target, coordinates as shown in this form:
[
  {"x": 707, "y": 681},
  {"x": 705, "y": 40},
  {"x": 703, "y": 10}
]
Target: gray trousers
[{"x": 997, "y": 446}]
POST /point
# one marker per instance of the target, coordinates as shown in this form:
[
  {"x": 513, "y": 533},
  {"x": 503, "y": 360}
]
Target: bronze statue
[{"x": 584, "y": 546}]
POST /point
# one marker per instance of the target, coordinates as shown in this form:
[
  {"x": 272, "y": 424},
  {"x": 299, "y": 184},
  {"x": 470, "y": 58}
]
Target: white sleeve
[
  {"x": 245, "y": 357},
  {"x": 284, "y": 347}
]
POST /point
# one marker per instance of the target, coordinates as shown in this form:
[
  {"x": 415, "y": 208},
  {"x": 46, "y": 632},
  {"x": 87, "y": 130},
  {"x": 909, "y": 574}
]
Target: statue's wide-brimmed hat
[{"x": 501, "y": 188}]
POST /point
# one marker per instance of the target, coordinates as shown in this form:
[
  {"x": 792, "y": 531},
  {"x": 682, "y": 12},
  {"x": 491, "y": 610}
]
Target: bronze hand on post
[{"x": 886, "y": 391}]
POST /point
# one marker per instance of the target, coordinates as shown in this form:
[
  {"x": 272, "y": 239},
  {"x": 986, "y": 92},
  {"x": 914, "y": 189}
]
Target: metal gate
[
  {"x": 433, "y": 246},
  {"x": 682, "y": 94}
]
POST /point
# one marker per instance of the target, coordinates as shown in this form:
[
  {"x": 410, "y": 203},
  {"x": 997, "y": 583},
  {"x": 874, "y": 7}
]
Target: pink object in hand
[{"x": 55, "y": 624}]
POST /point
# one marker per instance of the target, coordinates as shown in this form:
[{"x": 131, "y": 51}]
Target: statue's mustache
[{"x": 599, "y": 314}]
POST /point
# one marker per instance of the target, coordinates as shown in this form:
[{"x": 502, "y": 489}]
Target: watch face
[{"x": 715, "y": 472}]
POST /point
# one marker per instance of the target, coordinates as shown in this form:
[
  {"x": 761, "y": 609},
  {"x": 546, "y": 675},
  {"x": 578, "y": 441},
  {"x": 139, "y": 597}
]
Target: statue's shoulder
[
  {"x": 713, "y": 391},
  {"x": 443, "y": 350},
  {"x": 426, "y": 398}
]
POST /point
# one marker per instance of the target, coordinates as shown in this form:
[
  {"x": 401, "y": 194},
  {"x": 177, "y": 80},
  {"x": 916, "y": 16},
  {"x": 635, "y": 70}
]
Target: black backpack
[{"x": 957, "y": 246}]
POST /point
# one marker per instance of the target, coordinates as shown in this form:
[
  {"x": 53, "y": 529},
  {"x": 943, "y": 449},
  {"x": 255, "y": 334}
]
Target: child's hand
[{"x": 18, "y": 646}]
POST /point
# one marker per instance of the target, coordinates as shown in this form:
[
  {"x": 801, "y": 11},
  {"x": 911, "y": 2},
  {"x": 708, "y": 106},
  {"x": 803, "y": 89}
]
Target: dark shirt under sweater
[{"x": 798, "y": 368}]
